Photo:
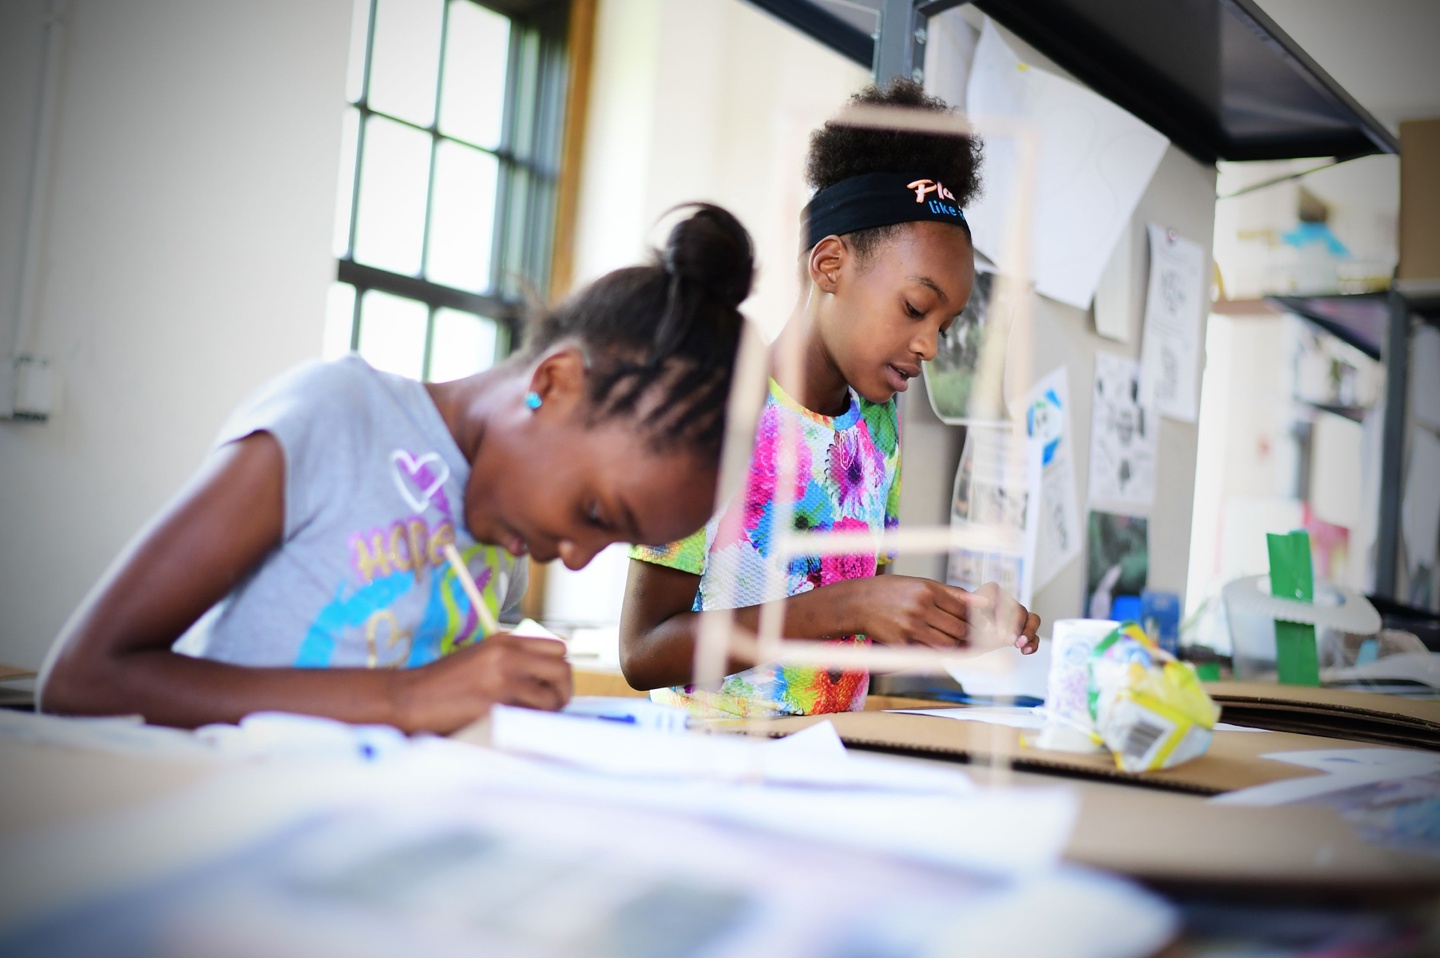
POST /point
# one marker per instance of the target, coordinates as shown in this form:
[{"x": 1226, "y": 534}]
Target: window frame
[{"x": 527, "y": 187}]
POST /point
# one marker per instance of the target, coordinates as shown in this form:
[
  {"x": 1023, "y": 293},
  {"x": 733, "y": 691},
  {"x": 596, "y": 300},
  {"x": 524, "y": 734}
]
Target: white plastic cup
[{"x": 1067, "y": 693}]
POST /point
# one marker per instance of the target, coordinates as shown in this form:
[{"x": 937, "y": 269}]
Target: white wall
[
  {"x": 692, "y": 100},
  {"x": 185, "y": 259}
]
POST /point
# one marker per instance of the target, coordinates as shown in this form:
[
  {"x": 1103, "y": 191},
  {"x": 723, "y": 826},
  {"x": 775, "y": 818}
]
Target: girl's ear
[
  {"x": 559, "y": 380},
  {"x": 826, "y": 261}
]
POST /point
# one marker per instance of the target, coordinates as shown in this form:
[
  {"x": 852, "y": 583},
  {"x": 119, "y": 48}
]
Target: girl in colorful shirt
[
  {"x": 888, "y": 269},
  {"x": 307, "y": 565}
]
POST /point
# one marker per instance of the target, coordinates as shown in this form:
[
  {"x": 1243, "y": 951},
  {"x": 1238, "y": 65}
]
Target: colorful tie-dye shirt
[
  {"x": 374, "y": 490},
  {"x": 847, "y": 478}
]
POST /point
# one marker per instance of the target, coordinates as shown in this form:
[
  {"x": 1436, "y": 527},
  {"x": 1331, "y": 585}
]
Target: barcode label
[{"x": 1141, "y": 738}]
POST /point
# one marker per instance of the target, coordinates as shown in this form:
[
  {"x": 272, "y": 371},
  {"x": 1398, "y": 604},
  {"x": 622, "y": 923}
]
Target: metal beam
[
  {"x": 900, "y": 47},
  {"x": 1392, "y": 447}
]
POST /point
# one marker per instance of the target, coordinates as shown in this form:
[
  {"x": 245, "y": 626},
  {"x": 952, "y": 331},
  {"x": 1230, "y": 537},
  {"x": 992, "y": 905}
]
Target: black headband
[{"x": 879, "y": 199}]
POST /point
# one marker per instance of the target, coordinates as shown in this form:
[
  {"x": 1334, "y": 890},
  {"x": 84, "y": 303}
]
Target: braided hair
[{"x": 660, "y": 339}]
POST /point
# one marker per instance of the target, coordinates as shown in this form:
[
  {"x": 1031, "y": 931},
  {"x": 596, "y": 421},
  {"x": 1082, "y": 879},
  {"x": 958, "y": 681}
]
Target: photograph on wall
[
  {"x": 965, "y": 379},
  {"x": 1117, "y": 560}
]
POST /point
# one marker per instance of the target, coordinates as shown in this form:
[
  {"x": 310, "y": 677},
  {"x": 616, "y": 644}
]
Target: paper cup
[{"x": 1067, "y": 705}]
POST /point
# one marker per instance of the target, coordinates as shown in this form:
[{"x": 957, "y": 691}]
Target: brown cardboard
[
  {"x": 10, "y": 672},
  {"x": 1359, "y": 716},
  {"x": 1419, "y": 200},
  {"x": 1182, "y": 842},
  {"x": 1232, "y": 761}
]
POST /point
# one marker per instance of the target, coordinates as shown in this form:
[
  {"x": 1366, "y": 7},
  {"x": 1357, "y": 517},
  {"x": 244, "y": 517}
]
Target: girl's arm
[
  {"x": 658, "y": 630},
  {"x": 113, "y": 656}
]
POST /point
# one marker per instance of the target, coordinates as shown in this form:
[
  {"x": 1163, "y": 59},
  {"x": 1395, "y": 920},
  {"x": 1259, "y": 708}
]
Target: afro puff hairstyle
[{"x": 839, "y": 151}]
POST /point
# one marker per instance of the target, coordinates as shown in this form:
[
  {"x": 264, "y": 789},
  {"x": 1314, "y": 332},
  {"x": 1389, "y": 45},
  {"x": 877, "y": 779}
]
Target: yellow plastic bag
[{"x": 1149, "y": 708}]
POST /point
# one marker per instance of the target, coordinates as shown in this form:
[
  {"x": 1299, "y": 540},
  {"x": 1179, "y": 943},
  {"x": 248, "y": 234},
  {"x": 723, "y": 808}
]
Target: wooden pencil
[{"x": 467, "y": 582}]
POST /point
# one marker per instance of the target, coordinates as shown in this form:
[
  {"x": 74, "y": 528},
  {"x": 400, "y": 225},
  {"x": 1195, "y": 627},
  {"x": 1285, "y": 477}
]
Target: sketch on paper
[
  {"x": 1047, "y": 424},
  {"x": 1175, "y": 304},
  {"x": 1123, "y": 436},
  {"x": 964, "y": 381}
]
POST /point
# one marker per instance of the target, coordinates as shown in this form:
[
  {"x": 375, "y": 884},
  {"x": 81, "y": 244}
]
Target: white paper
[
  {"x": 1115, "y": 306},
  {"x": 1094, "y": 162},
  {"x": 1059, "y": 534},
  {"x": 630, "y": 710},
  {"x": 1175, "y": 304},
  {"x": 1425, "y": 376},
  {"x": 634, "y": 752},
  {"x": 994, "y": 499},
  {"x": 1011, "y": 717},
  {"x": 1420, "y": 510},
  {"x": 1003, "y": 672},
  {"x": 1303, "y": 789},
  {"x": 529, "y": 628},
  {"x": 1123, "y": 437},
  {"x": 1344, "y": 760}
]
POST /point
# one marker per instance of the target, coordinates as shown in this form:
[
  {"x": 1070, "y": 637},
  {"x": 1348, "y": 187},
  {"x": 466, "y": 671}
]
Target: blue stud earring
[{"x": 532, "y": 399}]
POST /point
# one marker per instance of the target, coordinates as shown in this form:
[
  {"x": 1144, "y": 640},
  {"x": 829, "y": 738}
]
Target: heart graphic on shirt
[{"x": 417, "y": 484}]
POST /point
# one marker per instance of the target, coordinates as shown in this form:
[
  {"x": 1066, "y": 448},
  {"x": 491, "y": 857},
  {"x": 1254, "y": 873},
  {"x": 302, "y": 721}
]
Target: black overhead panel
[{"x": 1217, "y": 77}]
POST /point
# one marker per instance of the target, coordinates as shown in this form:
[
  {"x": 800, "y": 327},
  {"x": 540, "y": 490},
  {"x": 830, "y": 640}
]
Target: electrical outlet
[
  {"x": 7, "y": 388},
  {"x": 33, "y": 389}
]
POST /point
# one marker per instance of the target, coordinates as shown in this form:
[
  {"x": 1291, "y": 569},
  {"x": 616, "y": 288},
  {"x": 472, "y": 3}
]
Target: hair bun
[{"x": 713, "y": 250}]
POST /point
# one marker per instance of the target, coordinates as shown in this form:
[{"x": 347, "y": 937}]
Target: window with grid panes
[{"x": 447, "y": 186}]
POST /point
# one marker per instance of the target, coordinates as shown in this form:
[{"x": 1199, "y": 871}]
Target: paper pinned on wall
[
  {"x": 1174, "y": 313},
  {"x": 1094, "y": 163},
  {"x": 1058, "y": 533},
  {"x": 1114, "y": 296},
  {"x": 994, "y": 500},
  {"x": 1123, "y": 435}
]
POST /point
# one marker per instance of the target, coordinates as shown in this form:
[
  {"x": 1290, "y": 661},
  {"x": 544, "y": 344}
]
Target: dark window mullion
[
  {"x": 429, "y": 344},
  {"x": 355, "y": 318},
  {"x": 368, "y": 111},
  {"x": 434, "y": 151},
  {"x": 361, "y": 122},
  {"x": 499, "y": 259}
]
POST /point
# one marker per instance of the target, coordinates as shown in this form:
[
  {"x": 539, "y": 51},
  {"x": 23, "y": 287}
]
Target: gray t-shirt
[{"x": 374, "y": 488}]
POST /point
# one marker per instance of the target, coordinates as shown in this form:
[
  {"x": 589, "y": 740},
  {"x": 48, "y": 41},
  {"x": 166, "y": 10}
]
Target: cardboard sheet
[
  {"x": 1359, "y": 716},
  {"x": 1183, "y": 843},
  {"x": 12, "y": 672},
  {"x": 1232, "y": 762}
]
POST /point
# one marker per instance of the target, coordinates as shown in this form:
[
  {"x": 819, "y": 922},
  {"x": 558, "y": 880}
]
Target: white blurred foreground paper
[
  {"x": 1094, "y": 163},
  {"x": 457, "y": 851}
]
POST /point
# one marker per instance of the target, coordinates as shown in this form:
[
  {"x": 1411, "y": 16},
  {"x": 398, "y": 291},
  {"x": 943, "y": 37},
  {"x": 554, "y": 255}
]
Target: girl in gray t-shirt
[{"x": 305, "y": 565}]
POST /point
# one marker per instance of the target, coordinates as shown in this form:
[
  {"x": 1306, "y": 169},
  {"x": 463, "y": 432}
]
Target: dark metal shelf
[
  {"x": 1218, "y": 77},
  {"x": 1359, "y": 319}
]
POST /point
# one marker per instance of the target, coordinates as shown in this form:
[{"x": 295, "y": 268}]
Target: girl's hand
[
  {"x": 908, "y": 610},
  {"x": 1011, "y": 619},
  {"x": 504, "y": 669}
]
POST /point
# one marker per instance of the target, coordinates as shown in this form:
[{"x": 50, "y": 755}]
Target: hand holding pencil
[{"x": 504, "y": 669}]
